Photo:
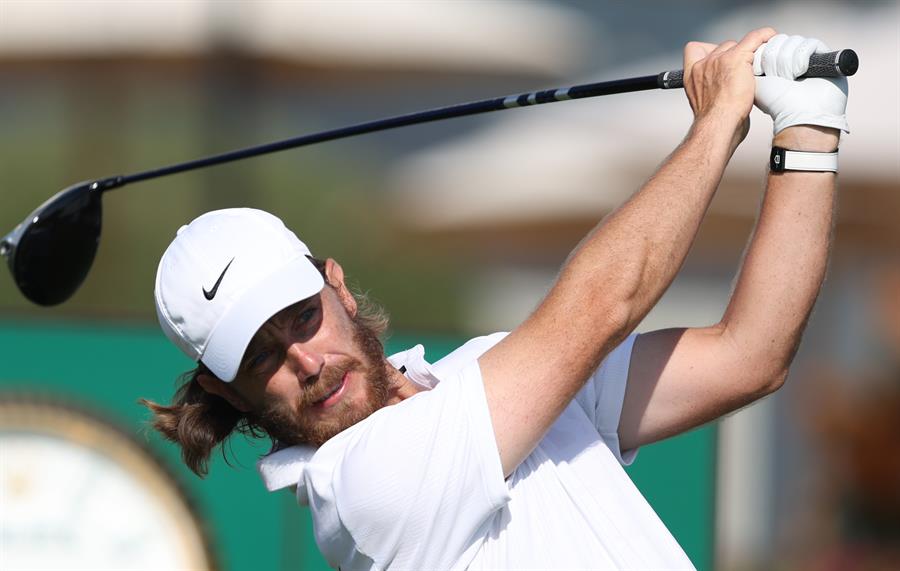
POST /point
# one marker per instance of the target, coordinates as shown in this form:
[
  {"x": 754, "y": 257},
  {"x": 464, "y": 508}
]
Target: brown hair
[{"x": 199, "y": 421}]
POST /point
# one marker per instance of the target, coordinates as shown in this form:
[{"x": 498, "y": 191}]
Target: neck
[{"x": 401, "y": 388}]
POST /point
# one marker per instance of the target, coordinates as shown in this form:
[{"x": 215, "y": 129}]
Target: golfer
[{"x": 508, "y": 453}]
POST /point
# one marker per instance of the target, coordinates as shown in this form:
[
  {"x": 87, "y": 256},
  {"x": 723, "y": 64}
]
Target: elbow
[
  {"x": 775, "y": 366},
  {"x": 762, "y": 368},
  {"x": 621, "y": 300},
  {"x": 617, "y": 321},
  {"x": 774, "y": 381},
  {"x": 752, "y": 388},
  {"x": 612, "y": 321}
]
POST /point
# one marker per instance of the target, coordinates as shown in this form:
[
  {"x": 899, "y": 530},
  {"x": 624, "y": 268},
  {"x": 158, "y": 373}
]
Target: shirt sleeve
[
  {"x": 604, "y": 394},
  {"x": 415, "y": 485}
]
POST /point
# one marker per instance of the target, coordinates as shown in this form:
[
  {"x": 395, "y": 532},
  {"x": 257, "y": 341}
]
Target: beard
[{"x": 287, "y": 427}]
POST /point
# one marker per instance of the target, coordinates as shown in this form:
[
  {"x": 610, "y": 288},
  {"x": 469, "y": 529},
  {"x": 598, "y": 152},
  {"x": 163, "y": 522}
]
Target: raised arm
[
  {"x": 681, "y": 378},
  {"x": 619, "y": 271}
]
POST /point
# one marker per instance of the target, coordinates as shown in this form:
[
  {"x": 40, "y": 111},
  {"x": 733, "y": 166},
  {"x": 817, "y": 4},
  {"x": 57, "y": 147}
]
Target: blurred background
[{"x": 458, "y": 228}]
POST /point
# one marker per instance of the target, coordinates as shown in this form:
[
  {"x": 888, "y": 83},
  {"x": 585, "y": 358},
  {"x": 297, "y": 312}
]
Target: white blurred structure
[
  {"x": 560, "y": 160},
  {"x": 491, "y": 36}
]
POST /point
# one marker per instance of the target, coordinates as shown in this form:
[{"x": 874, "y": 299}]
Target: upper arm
[
  {"x": 682, "y": 378},
  {"x": 534, "y": 373}
]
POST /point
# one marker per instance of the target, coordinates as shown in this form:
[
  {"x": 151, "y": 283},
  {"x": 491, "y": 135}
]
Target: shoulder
[
  {"x": 380, "y": 484},
  {"x": 469, "y": 351}
]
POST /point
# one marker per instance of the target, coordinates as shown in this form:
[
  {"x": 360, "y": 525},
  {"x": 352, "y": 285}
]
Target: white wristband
[{"x": 784, "y": 160}]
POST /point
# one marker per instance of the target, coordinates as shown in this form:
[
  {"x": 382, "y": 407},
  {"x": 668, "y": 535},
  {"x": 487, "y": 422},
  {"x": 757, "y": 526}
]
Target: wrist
[
  {"x": 723, "y": 127},
  {"x": 810, "y": 138}
]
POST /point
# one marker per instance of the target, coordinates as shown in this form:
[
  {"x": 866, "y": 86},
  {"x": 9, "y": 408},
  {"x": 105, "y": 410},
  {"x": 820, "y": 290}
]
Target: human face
[{"x": 312, "y": 371}]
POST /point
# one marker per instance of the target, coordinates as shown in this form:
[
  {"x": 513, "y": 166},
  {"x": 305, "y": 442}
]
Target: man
[{"x": 508, "y": 452}]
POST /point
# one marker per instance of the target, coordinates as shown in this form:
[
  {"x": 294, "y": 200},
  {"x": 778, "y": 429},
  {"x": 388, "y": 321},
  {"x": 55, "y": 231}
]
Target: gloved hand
[{"x": 810, "y": 101}]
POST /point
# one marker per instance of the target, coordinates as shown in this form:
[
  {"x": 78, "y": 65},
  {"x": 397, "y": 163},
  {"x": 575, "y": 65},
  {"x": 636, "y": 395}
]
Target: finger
[
  {"x": 694, "y": 52},
  {"x": 755, "y": 39},
  {"x": 757, "y": 60},
  {"x": 802, "y": 53},
  {"x": 770, "y": 55},
  {"x": 724, "y": 47},
  {"x": 821, "y": 47},
  {"x": 784, "y": 63}
]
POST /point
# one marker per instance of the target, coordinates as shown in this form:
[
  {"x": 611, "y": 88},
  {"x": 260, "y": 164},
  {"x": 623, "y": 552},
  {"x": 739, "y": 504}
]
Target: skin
[
  {"x": 288, "y": 361},
  {"x": 679, "y": 378}
]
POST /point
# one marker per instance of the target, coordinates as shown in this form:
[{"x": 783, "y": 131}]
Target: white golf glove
[{"x": 810, "y": 101}]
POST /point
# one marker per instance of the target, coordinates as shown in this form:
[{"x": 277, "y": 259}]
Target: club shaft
[
  {"x": 843, "y": 62},
  {"x": 438, "y": 114}
]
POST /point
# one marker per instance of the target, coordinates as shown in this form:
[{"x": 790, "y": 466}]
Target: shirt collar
[
  {"x": 284, "y": 467},
  {"x": 418, "y": 370}
]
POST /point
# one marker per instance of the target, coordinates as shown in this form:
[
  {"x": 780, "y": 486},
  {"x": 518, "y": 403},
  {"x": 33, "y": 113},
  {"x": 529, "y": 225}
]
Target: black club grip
[
  {"x": 832, "y": 64},
  {"x": 671, "y": 79}
]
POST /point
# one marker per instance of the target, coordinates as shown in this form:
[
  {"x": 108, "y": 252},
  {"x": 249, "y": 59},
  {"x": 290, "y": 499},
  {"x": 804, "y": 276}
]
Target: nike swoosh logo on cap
[{"x": 212, "y": 293}]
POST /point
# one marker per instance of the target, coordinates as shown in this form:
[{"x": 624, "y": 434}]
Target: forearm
[{"x": 785, "y": 262}]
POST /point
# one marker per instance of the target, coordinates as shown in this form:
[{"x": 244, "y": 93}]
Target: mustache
[{"x": 328, "y": 380}]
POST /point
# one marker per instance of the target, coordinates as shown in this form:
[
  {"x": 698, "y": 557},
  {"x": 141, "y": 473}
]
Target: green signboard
[{"x": 106, "y": 368}]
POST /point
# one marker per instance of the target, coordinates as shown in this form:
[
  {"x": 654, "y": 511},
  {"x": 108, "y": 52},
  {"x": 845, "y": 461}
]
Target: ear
[
  {"x": 334, "y": 273},
  {"x": 214, "y": 385}
]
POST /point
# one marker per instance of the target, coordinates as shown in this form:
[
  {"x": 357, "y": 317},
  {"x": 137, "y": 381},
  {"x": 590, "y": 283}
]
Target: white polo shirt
[{"x": 419, "y": 485}]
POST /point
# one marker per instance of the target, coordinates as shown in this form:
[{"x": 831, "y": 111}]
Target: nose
[{"x": 306, "y": 364}]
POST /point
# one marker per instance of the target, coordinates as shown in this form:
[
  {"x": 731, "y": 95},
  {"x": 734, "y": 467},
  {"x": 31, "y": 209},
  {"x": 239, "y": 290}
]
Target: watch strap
[{"x": 783, "y": 159}]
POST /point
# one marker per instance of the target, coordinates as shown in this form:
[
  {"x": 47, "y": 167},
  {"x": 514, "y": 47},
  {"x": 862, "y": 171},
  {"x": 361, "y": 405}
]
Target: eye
[
  {"x": 307, "y": 317},
  {"x": 258, "y": 360}
]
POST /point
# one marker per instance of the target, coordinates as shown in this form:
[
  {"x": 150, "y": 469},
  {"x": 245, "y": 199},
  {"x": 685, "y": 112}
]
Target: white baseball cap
[{"x": 223, "y": 276}]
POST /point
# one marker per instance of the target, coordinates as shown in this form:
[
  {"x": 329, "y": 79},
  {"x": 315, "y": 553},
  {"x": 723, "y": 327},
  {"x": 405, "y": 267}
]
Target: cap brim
[{"x": 294, "y": 282}]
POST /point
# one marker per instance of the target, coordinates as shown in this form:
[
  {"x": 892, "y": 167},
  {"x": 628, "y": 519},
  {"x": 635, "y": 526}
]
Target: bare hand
[{"x": 719, "y": 80}]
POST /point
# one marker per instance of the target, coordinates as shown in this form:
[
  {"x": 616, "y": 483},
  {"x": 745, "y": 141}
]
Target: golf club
[{"x": 50, "y": 253}]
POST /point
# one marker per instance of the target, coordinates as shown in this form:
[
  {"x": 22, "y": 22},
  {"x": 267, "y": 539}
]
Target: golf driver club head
[{"x": 51, "y": 251}]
